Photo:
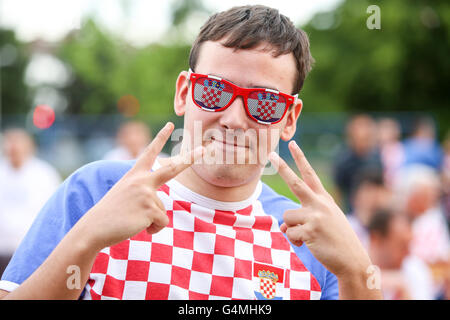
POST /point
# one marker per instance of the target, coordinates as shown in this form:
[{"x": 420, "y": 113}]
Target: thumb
[{"x": 160, "y": 221}]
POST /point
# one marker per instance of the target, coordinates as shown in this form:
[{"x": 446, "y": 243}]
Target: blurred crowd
[
  {"x": 393, "y": 185},
  {"x": 396, "y": 194}
]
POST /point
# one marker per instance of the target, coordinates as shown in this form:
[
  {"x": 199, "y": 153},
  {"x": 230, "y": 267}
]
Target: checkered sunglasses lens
[
  {"x": 266, "y": 106},
  {"x": 212, "y": 94}
]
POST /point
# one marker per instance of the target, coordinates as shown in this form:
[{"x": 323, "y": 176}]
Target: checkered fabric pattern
[
  {"x": 202, "y": 254},
  {"x": 268, "y": 288},
  {"x": 211, "y": 97},
  {"x": 266, "y": 109}
]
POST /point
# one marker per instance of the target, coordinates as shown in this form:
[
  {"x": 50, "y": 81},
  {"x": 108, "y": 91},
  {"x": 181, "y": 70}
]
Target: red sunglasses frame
[{"x": 243, "y": 92}]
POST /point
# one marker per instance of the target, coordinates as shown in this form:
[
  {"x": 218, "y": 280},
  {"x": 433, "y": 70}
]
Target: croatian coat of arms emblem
[{"x": 268, "y": 281}]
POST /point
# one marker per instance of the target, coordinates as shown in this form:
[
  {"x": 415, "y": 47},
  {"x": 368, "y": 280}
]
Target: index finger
[
  {"x": 306, "y": 170},
  {"x": 295, "y": 184},
  {"x": 147, "y": 158},
  {"x": 176, "y": 165}
]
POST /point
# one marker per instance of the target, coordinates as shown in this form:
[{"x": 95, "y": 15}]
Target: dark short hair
[
  {"x": 380, "y": 221},
  {"x": 246, "y": 27},
  {"x": 369, "y": 174}
]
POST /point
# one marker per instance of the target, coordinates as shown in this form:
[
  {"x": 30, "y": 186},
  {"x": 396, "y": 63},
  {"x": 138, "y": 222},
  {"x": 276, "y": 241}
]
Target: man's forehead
[{"x": 251, "y": 68}]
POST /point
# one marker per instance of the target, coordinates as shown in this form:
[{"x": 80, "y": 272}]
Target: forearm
[
  {"x": 64, "y": 273},
  {"x": 363, "y": 284}
]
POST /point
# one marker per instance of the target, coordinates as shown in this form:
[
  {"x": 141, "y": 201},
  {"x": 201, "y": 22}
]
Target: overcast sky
[{"x": 147, "y": 19}]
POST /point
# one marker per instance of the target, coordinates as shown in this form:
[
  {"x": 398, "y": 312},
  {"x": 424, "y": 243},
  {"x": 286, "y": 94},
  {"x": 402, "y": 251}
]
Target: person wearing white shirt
[{"x": 26, "y": 183}]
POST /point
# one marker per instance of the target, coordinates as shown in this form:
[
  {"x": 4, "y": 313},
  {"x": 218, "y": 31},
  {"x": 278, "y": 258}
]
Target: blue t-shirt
[
  {"x": 85, "y": 187},
  {"x": 423, "y": 151}
]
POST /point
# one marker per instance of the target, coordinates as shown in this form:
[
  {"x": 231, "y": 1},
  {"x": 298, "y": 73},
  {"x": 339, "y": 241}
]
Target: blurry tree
[
  {"x": 105, "y": 68},
  {"x": 95, "y": 61},
  {"x": 182, "y": 9},
  {"x": 14, "y": 96},
  {"x": 187, "y": 16},
  {"x": 404, "y": 66}
]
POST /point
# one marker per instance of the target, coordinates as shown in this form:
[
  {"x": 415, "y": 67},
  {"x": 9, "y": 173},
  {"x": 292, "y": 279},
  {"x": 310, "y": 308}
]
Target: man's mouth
[{"x": 233, "y": 144}]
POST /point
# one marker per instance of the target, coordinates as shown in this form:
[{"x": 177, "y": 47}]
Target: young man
[{"x": 191, "y": 228}]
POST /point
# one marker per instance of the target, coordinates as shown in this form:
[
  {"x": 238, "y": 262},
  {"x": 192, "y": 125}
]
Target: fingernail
[
  {"x": 168, "y": 125},
  {"x": 293, "y": 143},
  {"x": 273, "y": 156}
]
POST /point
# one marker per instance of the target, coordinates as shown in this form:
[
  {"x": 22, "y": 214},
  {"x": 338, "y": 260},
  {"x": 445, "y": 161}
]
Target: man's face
[
  {"x": 134, "y": 137},
  {"x": 236, "y": 145},
  {"x": 18, "y": 147},
  {"x": 368, "y": 197},
  {"x": 397, "y": 242},
  {"x": 361, "y": 134}
]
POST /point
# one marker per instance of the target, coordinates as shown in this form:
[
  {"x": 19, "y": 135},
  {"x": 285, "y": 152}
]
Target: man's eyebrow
[
  {"x": 250, "y": 87},
  {"x": 264, "y": 87}
]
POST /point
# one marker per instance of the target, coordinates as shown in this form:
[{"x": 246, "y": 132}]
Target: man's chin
[{"x": 227, "y": 175}]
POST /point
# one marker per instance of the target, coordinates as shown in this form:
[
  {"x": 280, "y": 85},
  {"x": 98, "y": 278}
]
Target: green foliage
[
  {"x": 13, "y": 60},
  {"x": 182, "y": 9},
  {"x": 403, "y": 66},
  {"x": 105, "y": 68}
]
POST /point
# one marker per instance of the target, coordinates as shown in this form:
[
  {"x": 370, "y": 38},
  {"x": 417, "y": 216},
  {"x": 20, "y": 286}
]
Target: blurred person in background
[
  {"x": 446, "y": 179},
  {"x": 418, "y": 194},
  {"x": 403, "y": 276},
  {"x": 361, "y": 153},
  {"x": 26, "y": 183},
  {"x": 369, "y": 195},
  {"x": 391, "y": 147},
  {"x": 132, "y": 138},
  {"x": 422, "y": 147}
]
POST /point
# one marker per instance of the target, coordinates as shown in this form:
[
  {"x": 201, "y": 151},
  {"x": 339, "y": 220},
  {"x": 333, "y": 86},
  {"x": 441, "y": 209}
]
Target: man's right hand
[
  {"x": 132, "y": 204},
  {"x": 129, "y": 207}
]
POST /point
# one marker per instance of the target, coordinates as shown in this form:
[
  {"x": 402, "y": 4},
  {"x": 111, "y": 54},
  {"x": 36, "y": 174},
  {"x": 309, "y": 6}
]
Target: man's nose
[{"x": 235, "y": 116}]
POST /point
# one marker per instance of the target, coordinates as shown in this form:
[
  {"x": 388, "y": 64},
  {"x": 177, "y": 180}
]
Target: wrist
[
  {"x": 360, "y": 282},
  {"x": 84, "y": 239}
]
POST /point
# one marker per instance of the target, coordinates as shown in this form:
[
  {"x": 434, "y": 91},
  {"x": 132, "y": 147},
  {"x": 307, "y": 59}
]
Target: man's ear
[
  {"x": 181, "y": 93},
  {"x": 291, "y": 123}
]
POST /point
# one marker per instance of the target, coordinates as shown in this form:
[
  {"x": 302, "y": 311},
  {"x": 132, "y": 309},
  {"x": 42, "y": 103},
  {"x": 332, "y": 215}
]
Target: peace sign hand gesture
[
  {"x": 132, "y": 204},
  {"x": 323, "y": 228}
]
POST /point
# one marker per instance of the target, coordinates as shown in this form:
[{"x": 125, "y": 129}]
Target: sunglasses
[{"x": 215, "y": 94}]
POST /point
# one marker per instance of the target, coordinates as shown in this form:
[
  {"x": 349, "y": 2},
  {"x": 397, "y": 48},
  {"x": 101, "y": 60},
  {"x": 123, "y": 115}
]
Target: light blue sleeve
[{"x": 76, "y": 195}]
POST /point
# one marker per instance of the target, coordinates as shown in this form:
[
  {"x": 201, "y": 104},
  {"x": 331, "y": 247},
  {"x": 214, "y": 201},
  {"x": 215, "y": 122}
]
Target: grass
[{"x": 279, "y": 185}]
